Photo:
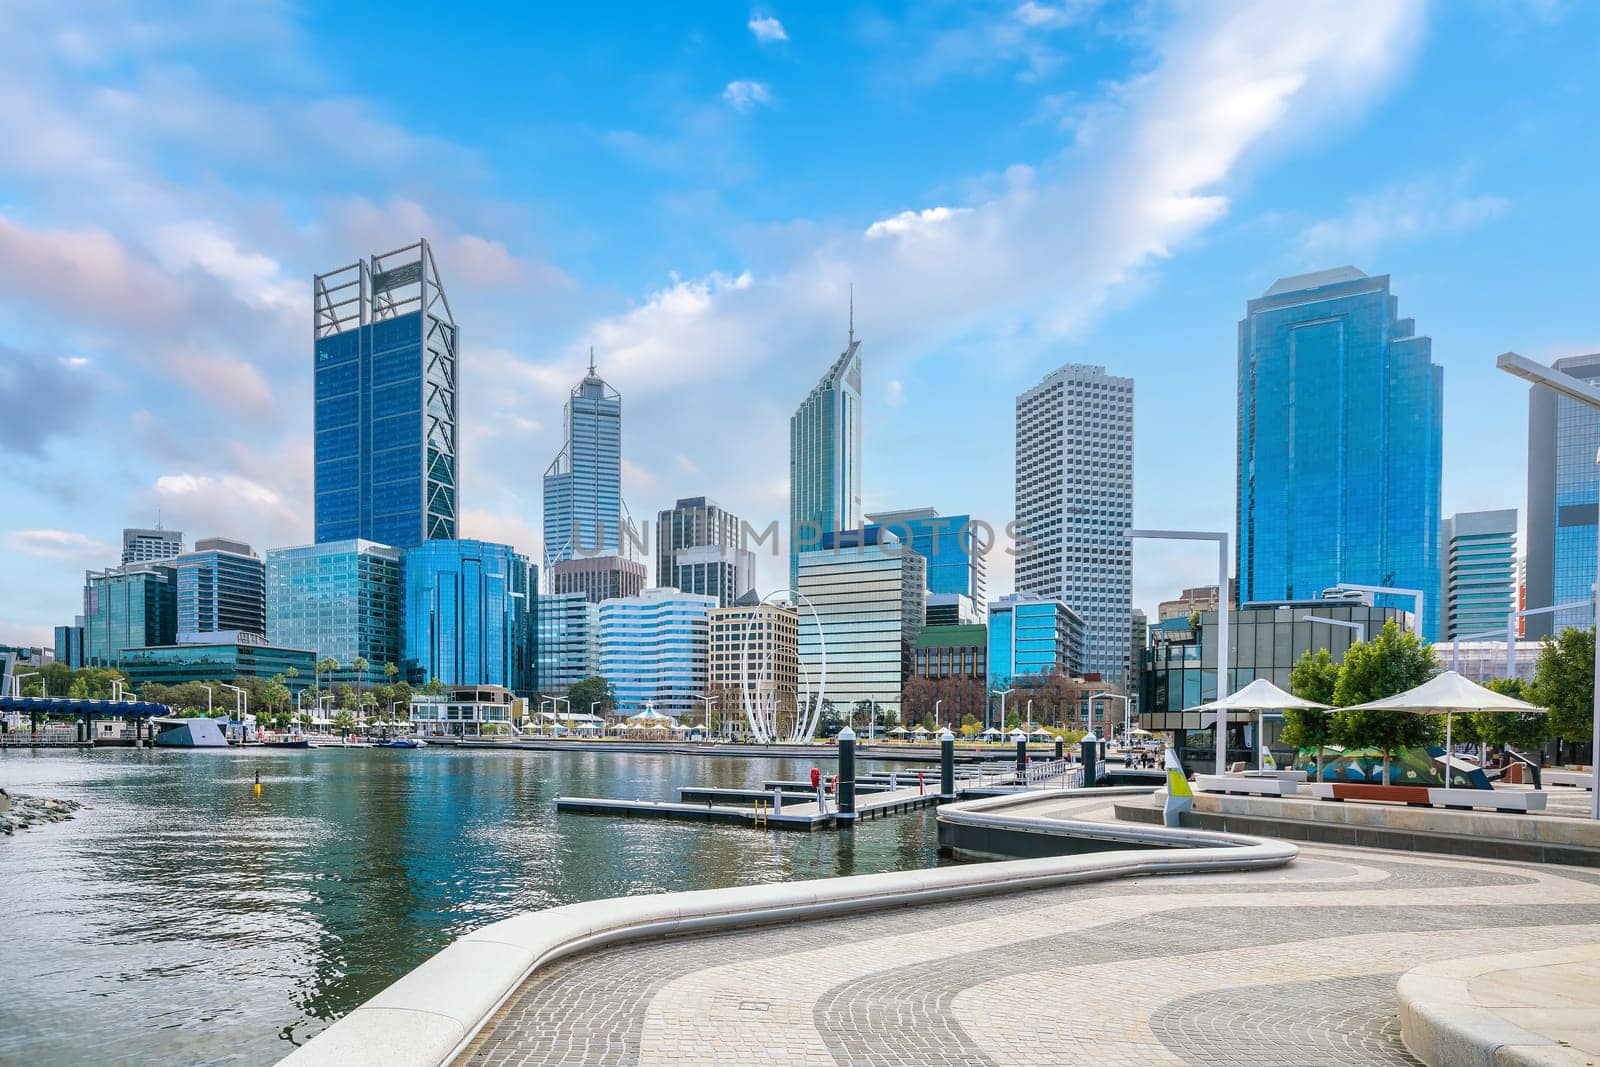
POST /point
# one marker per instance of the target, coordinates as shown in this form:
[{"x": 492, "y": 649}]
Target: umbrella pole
[
  {"x": 1261, "y": 743},
  {"x": 1447, "y": 717}
]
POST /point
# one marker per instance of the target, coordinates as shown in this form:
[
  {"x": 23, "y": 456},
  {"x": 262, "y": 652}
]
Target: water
[{"x": 186, "y": 920}]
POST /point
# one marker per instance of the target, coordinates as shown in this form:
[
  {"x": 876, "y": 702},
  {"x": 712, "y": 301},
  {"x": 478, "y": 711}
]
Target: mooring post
[
  {"x": 845, "y": 785},
  {"x": 947, "y": 764}
]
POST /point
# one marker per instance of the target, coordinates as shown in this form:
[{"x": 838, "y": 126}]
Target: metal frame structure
[
  {"x": 385, "y": 286},
  {"x": 765, "y": 727}
]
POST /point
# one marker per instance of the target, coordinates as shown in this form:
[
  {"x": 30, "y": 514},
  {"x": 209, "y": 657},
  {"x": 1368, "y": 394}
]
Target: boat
[
  {"x": 401, "y": 742},
  {"x": 190, "y": 733},
  {"x": 288, "y": 742}
]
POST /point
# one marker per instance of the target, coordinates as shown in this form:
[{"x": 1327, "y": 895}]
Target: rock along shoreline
[{"x": 20, "y": 812}]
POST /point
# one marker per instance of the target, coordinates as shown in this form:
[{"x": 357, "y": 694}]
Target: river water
[{"x": 184, "y": 919}]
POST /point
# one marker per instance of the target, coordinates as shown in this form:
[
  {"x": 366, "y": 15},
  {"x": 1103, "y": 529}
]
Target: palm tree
[
  {"x": 359, "y": 665},
  {"x": 326, "y": 665}
]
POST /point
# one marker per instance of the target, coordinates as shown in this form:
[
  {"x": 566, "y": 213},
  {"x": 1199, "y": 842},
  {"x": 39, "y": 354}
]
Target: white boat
[{"x": 190, "y": 733}]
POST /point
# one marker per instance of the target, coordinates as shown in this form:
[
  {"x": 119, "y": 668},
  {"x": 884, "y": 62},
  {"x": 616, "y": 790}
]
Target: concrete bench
[
  {"x": 1421, "y": 796},
  {"x": 1577, "y": 779},
  {"x": 1286, "y": 775},
  {"x": 1257, "y": 786}
]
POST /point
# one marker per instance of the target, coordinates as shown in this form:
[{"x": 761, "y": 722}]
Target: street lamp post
[
  {"x": 1001, "y": 693},
  {"x": 1588, "y": 395},
  {"x": 1418, "y": 599},
  {"x": 1360, "y": 628},
  {"x": 1222, "y": 619},
  {"x": 936, "y": 703},
  {"x": 1127, "y": 712},
  {"x": 16, "y": 683},
  {"x": 710, "y": 700},
  {"x": 241, "y": 704}
]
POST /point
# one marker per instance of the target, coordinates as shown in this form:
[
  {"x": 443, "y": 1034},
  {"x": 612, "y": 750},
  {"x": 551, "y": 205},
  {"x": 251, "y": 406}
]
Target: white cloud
[
  {"x": 767, "y": 29},
  {"x": 61, "y": 544},
  {"x": 745, "y": 96},
  {"x": 1412, "y": 211},
  {"x": 914, "y": 221}
]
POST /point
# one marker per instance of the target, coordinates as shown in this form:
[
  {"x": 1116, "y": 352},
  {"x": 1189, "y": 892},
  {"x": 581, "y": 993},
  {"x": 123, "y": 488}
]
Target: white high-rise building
[
  {"x": 1074, "y": 486},
  {"x": 653, "y": 648}
]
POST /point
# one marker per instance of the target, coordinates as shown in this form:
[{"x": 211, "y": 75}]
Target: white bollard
[{"x": 777, "y": 802}]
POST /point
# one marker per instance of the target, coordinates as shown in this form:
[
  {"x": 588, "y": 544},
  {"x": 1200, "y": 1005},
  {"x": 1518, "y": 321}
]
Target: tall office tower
[
  {"x": 134, "y": 606},
  {"x": 653, "y": 648},
  {"x": 1340, "y": 431},
  {"x": 468, "y": 616},
  {"x": 222, "y": 586},
  {"x": 568, "y": 649},
  {"x": 698, "y": 550},
  {"x": 1478, "y": 593},
  {"x": 340, "y": 599},
  {"x": 385, "y": 368},
  {"x": 1074, "y": 486},
  {"x": 868, "y": 597},
  {"x": 753, "y": 665},
  {"x": 147, "y": 546},
  {"x": 1563, "y": 439},
  {"x": 825, "y": 456},
  {"x": 583, "y": 486},
  {"x": 947, "y": 543},
  {"x": 598, "y": 577}
]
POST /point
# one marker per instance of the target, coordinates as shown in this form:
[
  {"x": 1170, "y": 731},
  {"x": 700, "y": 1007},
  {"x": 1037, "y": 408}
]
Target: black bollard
[
  {"x": 1022, "y": 759},
  {"x": 1059, "y": 748},
  {"x": 845, "y": 785},
  {"x": 1091, "y": 751},
  {"x": 947, "y": 764}
]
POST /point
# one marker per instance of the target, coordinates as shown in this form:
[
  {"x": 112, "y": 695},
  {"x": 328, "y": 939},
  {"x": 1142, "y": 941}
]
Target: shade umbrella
[
  {"x": 898, "y": 731},
  {"x": 1257, "y": 697},
  {"x": 1445, "y": 694}
]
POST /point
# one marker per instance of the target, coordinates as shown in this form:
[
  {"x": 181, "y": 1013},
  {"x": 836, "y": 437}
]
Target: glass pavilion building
[
  {"x": 385, "y": 381},
  {"x": 583, "y": 485},
  {"x": 1339, "y": 443},
  {"x": 825, "y": 457},
  {"x": 469, "y": 616},
  {"x": 339, "y": 599}
]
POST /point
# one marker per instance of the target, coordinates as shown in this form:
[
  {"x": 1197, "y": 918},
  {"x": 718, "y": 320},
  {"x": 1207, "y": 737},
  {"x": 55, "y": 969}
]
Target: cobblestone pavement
[{"x": 1293, "y": 965}]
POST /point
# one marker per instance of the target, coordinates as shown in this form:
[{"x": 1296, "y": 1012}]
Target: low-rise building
[
  {"x": 1033, "y": 637},
  {"x": 219, "y": 657},
  {"x": 468, "y": 711}
]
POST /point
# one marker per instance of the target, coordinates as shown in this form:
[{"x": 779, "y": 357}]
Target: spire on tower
[
  {"x": 591, "y": 361},
  {"x": 852, "y": 312}
]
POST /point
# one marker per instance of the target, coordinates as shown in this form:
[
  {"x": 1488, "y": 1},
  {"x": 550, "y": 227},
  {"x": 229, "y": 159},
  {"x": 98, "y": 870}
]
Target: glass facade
[
  {"x": 568, "y": 646},
  {"x": 128, "y": 607},
  {"x": 653, "y": 647},
  {"x": 955, "y": 563},
  {"x": 384, "y": 361},
  {"x": 1032, "y": 638},
  {"x": 1563, "y": 486},
  {"x": 340, "y": 599},
  {"x": 222, "y": 585},
  {"x": 1480, "y": 572},
  {"x": 218, "y": 662},
  {"x": 699, "y": 549},
  {"x": 1339, "y": 443},
  {"x": 869, "y": 600},
  {"x": 468, "y": 616},
  {"x": 825, "y": 456},
  {"x": 583, "y": 486}
]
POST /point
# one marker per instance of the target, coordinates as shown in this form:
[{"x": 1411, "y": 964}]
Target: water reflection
[{"x": 184, "y": 919}]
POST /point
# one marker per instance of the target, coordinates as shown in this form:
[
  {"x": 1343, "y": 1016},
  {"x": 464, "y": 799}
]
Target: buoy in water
[{"x": 258, "y": 781}]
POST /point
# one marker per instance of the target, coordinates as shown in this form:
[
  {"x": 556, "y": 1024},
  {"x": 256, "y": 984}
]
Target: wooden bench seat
[{"x": 1422, "y": 796}]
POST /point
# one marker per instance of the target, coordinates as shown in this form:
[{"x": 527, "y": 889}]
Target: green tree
[
  {"x": 1520, "y": 731},
  {"x": 1313, "y": 678},
  {"x": 434, "y": 688},
  {"x": 830, "y": 721},
  {"x": 359, "y": 665},
  {"x": 591, "y": 690},
  {"x": 1563, "y": 681},
  {"x": 325, "y": 666},
  {"x": 344, "y": 722},
  {"x": 1392, "y": 662}
]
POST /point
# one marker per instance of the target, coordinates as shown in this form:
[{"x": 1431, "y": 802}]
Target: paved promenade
[{"x": 1297, "y": 965}]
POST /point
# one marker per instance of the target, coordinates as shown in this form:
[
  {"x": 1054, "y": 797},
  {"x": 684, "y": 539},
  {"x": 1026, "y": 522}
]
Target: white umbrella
[
  {"x": 899, "y": 731},
  {"x": 1257, "y": 697},
  {"x": 1445, "y": 694}
]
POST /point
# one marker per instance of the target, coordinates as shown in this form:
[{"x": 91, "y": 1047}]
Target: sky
[{"x": 694, "y": 189}]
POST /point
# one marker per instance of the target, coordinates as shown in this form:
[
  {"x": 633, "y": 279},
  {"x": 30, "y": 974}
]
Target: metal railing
[{"x": 1057, "y": 773}]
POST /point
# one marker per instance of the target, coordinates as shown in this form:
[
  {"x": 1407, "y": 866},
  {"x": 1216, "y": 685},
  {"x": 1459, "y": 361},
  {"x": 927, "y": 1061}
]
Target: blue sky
[{"x": 1009, "y": 187}]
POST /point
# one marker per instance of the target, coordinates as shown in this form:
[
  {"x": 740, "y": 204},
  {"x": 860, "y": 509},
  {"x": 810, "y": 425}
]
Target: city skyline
[{"x": 212, "y": 440}]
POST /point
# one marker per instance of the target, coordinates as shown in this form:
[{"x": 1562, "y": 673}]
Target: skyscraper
[
  {"x": 653, "y": 648},
  {"x": 133, "y": 606},
  {"x": 1563, "y": 437},
  {"x": 222, "y": 586},
  {"x": 868, "y": 597},
  {"x": 385, "y": 368},
  {"x": 583, "y": 485},
  {"x": 1480, "y": 572},
  {"x": 598, "y": 577},
  {"x": 1074, "y": 486},
  {"x": 825, "y": 456},
  {"x": 468, "y": 616},
  {"x": 1340, "y": 431},
  {"x": 568, "y": 648},
  {"x": 340, "y": 599},
  {"x": 146, "y": 546},
  {"x": 698, "y": 551},
  {"x": 955, "y": 566}
]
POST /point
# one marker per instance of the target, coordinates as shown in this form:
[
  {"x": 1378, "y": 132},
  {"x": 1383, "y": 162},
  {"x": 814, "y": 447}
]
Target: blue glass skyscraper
[
  {"x": 1339, "y": 443},
  {"x": 385, "y": 371},
  {"x": 583, "y": 486},
  {"x": 469, "y": 615},
  {"x": 955, "y": 563},
  {"x": 825, "y": 456},
  {"x": 1563, "y": 437}
]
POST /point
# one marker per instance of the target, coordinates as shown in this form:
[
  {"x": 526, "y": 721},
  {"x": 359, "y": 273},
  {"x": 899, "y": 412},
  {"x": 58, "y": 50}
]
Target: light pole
[
  {"x": 1511, "y": 627},
  {"x": 936, "y": 703},
  {"x": 1001, "y": 693},
  {"x": 709, "y": 701},
  {"x": 1418, "y": 600},
  {"x": 1222, "y": 619},
  {"x": 1127, "y": 712},
  {"x": 16, "y": 683},
  {"x": 1584, "y": 393},
  {"x": 241, "y": 704}
]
